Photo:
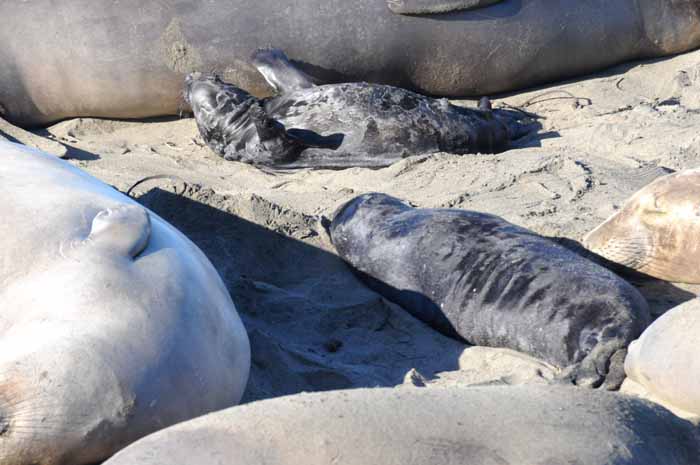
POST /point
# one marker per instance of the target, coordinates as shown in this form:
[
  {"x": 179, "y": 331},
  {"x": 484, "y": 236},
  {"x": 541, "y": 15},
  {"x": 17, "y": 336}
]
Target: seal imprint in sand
[
  {"x": 494, "y": 284},
  {"x": 113, "y": 323}
]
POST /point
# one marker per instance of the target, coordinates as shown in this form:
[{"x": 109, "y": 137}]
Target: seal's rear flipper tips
[
  {"x": 603, "y": 368},
  {"x": 279, "y": 72},
  {"x": 123, "y": 230},
  {"x": 427, "y": 7}
]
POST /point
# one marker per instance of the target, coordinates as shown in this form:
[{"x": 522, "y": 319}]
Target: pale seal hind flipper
[
  {"x": 124, "y": 230},
  {"x": 279, "y": 72},
  {"x": 426, "y": 7}
]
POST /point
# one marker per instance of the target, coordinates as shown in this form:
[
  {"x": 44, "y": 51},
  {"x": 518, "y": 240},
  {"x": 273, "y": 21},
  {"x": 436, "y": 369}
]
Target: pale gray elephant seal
[
  {"x": 338, "y": 125},
  {"x": 127, "y": 59},
  {"x": 494, "y": 284},
  {"x": 524, "y": 425},
  {"x": 113, "y": 324},
  {"x": 664, "y": 360},
  {"x": 656, "y": 231}
]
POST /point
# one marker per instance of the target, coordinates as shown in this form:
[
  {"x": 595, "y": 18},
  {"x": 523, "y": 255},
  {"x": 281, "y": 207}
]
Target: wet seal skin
[
  {"x": 475, "y": 276},
  {"x": 114, "y": 324},
  {"x": 338, "y": 125},
  {"x": 494, "y": 425}
]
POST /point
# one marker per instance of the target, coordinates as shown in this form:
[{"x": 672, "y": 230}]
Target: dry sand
[{"x": 313, "y": 326}]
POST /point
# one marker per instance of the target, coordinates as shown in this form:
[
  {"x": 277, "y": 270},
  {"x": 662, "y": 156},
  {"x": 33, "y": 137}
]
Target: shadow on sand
[{"x": 313, "y": 325}]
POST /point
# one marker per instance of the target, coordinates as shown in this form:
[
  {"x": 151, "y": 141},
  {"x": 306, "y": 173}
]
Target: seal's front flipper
[
  {"x": 124, "y": 230},
  {"x": 427, "y": 7},
  {"x": 279, "y": 72},
  {"x": 274, "y": 144}
]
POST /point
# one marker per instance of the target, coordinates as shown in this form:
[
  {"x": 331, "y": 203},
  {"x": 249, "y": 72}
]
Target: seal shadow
[
  {"x": 314, "y": 139},
  {"x": 661, "y": 295},
  {"x": 73, "y": 152},
  {"x": 313, "y": 326}
]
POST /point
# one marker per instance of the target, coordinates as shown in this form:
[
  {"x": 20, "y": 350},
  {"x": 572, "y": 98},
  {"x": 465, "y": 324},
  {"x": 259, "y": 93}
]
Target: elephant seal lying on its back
[
  {"x": 494, "y": 284},
  {"x": 338, "y": 125},
  {"x": 113, "y": 324},
  {"x": 127, "y": 59},
  {"x": 523, "y": 425}
]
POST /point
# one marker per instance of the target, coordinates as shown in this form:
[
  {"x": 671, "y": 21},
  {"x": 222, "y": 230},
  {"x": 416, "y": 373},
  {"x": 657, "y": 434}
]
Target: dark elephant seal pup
[
  {"x": 113, "y": 324},
  {"x": 494, "y": 284},
  {"x": 518, "y": 425},
  {"x": 657, "y": 230},
  {"x": 337, "y": 125}
]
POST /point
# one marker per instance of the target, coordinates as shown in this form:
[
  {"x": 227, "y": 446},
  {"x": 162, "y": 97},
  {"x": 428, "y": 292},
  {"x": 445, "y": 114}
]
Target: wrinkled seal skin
[
  {"x": 515, "y": 425},
  {"x": 494, "y": 284},
  {"x": 656, "y": 231},
  {"x": 664, "y": 360},
  {"x": 338, "y": 125},
  {"x": 127, "y": 59},
  {"x": 113, "y": 324}
]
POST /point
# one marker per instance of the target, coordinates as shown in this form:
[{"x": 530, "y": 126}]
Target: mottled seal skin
[
  {"x": 664, "y": 360},
  {"x": 515, "y": 425},
  {"x": 113, "y": 324},
  {"x": 338, "y": 125},
  {"x": 127, "y": 59},
  {"x": 656, "y": 230},
  {"x": 494, "y": 284}
]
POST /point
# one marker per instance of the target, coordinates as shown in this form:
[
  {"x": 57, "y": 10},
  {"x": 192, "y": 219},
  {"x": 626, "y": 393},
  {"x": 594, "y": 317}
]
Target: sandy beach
[{"x": 312, "y": 324}]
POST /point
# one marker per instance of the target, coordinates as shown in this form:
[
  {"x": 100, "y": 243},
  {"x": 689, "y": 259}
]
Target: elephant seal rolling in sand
[
  {"x": 664, "y": 360},
  {"x": 656, "y": 231},
  {"x": 127, "y": 59},
  {"x": 494, "y": 284},
  {"x": 429, "y": 426},
  {"x": 338, "y": 125},
  {"x": 113, "y": 324}
]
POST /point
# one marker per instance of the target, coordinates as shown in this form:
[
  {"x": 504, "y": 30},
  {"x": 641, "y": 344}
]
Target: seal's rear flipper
[
  {"x": 427, "y": 7},
  {"x": 124, "y": 230},
  {"x": 279, "y": 72},
  {"x": 603, "y": 368}
]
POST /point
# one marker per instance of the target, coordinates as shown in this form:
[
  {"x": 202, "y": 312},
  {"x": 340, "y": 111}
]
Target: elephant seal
[
  {"x": 656, "y": 230},
  {"x": 113, "y": 324},
  {"x": 664, "y": 362},
  {"x": 337, "y": 125},
  {"x": 429, "y": 426},
  {"x": 127, "y": 59},
  {"x": 493, "y": 283}
]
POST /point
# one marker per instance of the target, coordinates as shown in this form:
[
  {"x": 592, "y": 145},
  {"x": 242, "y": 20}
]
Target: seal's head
[
  {"x": 207, "y": 92},
  {"x": 654, "y": 231},
  {"x": 56, "y": 407}
]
